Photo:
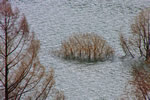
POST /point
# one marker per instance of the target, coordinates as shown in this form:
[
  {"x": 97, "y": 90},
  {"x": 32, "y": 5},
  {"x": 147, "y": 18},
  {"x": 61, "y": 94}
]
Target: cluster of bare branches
[
  {"x": 139, "y": 43},
  {"x": 21, "y": 74},
  {"x": 139, "y": 84},
  {"x": 89, "y": 47}
]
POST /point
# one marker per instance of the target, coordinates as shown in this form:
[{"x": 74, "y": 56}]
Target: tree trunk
[{"x": 6, "y": 65}]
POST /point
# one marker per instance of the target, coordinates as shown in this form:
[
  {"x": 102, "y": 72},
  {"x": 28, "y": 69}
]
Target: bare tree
[
  {"x": 139, "y": 43},
  {"x": 21, "y": 74}
]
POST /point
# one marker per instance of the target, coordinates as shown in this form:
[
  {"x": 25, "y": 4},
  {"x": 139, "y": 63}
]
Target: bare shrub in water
[
  {"x": 139, "y": 43},
  {"x": 89, "y": 47},
  {"x": 139, "y": 85}
]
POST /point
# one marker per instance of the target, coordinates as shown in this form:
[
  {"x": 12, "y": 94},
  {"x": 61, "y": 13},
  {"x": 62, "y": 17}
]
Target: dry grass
[{"x": 88, "y": 47}]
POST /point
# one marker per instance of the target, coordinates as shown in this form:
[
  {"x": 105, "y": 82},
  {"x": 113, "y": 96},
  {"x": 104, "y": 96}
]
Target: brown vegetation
[
  {"x": 140, "y": 84},
  {"x": 21, "y": 74},
  {"x": 139, "y": 43},
  {"x": 89, "y": 47}
]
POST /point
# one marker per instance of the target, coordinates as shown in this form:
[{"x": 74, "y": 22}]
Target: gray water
[{"x": 54, "y": 20}]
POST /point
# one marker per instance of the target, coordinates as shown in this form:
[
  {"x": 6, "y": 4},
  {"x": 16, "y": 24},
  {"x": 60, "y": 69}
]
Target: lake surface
[{"x": 55, "y": 20}]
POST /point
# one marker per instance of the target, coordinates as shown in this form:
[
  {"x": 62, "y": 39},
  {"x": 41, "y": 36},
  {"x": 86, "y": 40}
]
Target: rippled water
[{"x": 54, "y": 20}]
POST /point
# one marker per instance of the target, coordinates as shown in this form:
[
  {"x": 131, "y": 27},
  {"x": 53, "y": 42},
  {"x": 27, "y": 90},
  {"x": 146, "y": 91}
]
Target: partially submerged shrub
[
  {"x": 139, "y": 43},
  {"x": 140, "y": 83},
  {"x": 89, "y": 47}
]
